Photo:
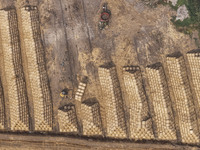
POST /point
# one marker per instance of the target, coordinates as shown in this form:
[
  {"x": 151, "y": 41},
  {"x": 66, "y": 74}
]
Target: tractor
[{"x": 104, "y": 18}]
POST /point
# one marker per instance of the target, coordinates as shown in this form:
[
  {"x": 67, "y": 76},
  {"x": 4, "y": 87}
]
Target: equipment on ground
[
  {"x": 66, "y": 93},
  {"x": 104, "y": 18}
]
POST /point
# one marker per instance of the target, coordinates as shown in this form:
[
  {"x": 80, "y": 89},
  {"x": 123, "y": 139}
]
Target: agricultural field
[{"x": 131, "y": 82}]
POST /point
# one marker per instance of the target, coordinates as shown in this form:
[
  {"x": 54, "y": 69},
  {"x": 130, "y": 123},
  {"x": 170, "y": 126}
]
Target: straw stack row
[
  {"x": 91, "y": 119},
  {"x": 80, "y": 91},
  {"x": 13, "y": 71},
  {"x": 183, "y": 99},
  {"x": 140, "y": 127},
  {"x": 37, "y": 74},
  {"x": 163, "y": 116},
  {"x": 194, "y": 63},
  {"x": 115, "y": 120},
  {"x": 67, "y": 119}
]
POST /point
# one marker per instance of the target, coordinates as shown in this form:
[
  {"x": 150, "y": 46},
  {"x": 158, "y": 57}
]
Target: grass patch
[
  {"x": 188, "y": 25},
  {"x": 192, "y": 23},
  {"x": 181, "y": 2}
]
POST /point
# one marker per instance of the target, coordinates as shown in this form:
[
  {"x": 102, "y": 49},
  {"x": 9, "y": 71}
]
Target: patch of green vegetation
[
  {"x": 192, "y": 23},
  {"x": 188, "y": 25},
  {"x": 151, "y": 3},
  {"x": 181, "y": 2},
  {"x": 165, "y": 3},
  {"x": 185, "y": 23}
]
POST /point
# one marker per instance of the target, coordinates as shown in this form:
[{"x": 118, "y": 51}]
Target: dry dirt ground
[
  {"x": 75, "y": 47},
  {"x": 32, "y": 142}
]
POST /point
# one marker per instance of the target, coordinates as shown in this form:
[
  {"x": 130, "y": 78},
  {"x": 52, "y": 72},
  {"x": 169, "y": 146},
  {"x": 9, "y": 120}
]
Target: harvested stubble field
[{"x": 74, "y": 48}]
